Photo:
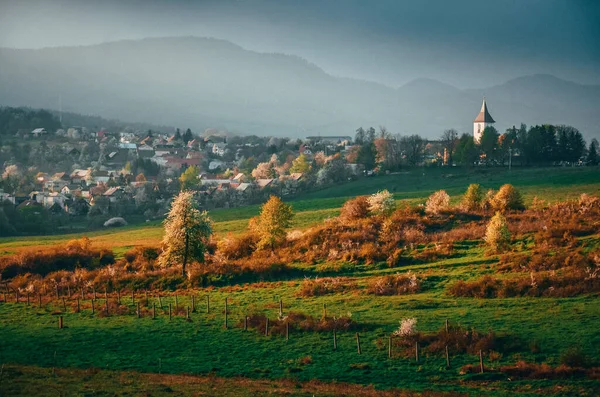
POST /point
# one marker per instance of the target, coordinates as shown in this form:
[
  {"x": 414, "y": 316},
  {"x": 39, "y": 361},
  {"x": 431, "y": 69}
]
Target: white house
[
  {"x": 481, "y": 122},
  {"x": 219, "y": 149},
  {"x": 39, "y": 131}
]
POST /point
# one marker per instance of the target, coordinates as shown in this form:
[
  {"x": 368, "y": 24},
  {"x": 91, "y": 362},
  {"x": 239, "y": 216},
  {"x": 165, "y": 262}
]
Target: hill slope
[{"x": 201, "y": 83}]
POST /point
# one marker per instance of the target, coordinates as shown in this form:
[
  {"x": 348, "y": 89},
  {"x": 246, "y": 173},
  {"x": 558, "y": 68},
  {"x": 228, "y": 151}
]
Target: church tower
[{"x": 482, "y": 121}]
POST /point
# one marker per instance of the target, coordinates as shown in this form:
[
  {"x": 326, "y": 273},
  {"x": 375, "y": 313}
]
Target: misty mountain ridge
[{"x": 211, "y": 83}]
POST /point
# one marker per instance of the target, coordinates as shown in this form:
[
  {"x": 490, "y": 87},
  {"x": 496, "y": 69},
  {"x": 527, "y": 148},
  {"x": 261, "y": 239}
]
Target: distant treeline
[{"x": 14, "y": 119}]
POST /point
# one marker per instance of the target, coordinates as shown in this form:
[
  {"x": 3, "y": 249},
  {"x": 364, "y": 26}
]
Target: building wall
[{"x": 478, "y": 130}]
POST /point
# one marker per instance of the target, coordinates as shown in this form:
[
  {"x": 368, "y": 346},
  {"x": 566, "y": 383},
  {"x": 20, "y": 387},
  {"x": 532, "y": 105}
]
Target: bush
[
  {"x": 356, "y": 208},
  {"x": 507, "y": 199},
  {"x": 323, "y": 286},
  {"x": 437, "y": 202},
  {"x": 497, "y": 235},
  {"x": 473, "y": 198},
  {"x": 237, "y": 247},
  {"x": 382, "y": 203},
  {"x": 399, "y": 284}
]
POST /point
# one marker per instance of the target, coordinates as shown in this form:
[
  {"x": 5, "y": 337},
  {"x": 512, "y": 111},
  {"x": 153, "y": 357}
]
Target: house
[
  {"x": 296, "y": 176},
  {"x": 263, "y": 183},
  {"x": 29, "y": 204},
  {"x": 243, "y": 187},
  {"x": 334, "y": 139},
  {"x": 58, "y": 181},
  {"x": 39, "y": 132},
  {"x": 114, "y": 193},
  {"x": 219, "y": 149},
  {"x": 79, "y": 176},
  {"x": 239, "y": 178},
  {"x": 177, "y": 163},
  {"x": 145, "y": 151},
  {"x": 101, "y": 176},
  {"x": 7, "y": 197}
]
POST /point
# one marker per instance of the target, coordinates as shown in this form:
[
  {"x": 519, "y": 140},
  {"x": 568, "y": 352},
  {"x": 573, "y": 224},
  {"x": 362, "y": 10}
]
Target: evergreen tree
[
  {"x": 188, "y": 136},
  {"x": 592, "y": 155}
]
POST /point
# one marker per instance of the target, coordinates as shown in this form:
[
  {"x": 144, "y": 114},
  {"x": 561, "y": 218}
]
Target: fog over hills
[{"x": 208, "y": 83}]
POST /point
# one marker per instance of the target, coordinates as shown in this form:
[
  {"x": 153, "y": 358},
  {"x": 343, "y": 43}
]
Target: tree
[
  {"x": 497, "y": 235},
  {"x": 264, "y": 171},
  {"x": 187, "y": 232},
  {"x": 489, "y": 144},
  {"x": 473, "y": 197},
  {"x": 141, "y": 178},
  {"x": 592, "y": 155},
  {"x": 189, "y": 178},
  {"x": 356, "y": 208},
  {"x": 275, "y": 216},
  {"x": 300, "y": 164},
  {"x": 382, "y": 203},
  {"x": 177, "y": 135},
  {"x": 188, "y": 136},
  {"x": 437, "y": 202},
  {"x": 449, "y": 141},
  {"x": 508, "y": 198},
  {"x": 413, "y": 147},
  {"x": 367, "y": 155},
  {"x": 360, "y": 136}
]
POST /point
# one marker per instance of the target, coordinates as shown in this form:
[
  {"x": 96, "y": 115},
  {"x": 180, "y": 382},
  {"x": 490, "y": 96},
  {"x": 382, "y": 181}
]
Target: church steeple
[
  {"x": 484, "y": 116},
  {"x": 481, "y": 122}
]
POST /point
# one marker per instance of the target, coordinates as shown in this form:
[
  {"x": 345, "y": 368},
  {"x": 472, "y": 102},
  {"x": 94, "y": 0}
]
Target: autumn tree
[
  {"x": 300, "y": 164},
  {"x": 189, "y": 178},
  {"x": 275, "y": 216},
  {"x": 140, "y": 178},
  {"x": 437, "y": 202},
  {"x": 187, "y": 232},
  {"x": 356, "y": 208},
  {"x": 497, "y": 236},
  {"x": 473, "y": 197}
]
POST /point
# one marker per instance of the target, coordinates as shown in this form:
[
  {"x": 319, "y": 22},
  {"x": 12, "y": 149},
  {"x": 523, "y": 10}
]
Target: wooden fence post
[
  {"x": 153, "y": 310},
  {"x": 139, "y": 311},
  {"x": 93, "y": 310},
  {"x": 481, "y": 361},
  {"x": 17, "y": 296},
  {"x": 324, "y": 310},
  {"x": 188, "y": 313},
  {"x": 446, "y": 327},
  {"x": 170, "y": 312},
  {"x": 358, "y": 342},
  {"x": 159, "y": 301},
  {"x": 447, "y": 358},
  {"x": 267, "y": 327},
  {"x": 280, "y": 307},
  {"x": 28, "y": 299},
  {"x": 207, "y": 303},
  {"x": 245, "y": 323},
  {"x": 78, "y": 306},
  {"x": 60, "y": 322},
  {"x": 69, "y": 291},
  {"x": 390, "y": 347},
  {"x": 119, "y": 297},
  {"x": 334, "y": 340},
  {"x": 287, "y": 331}
]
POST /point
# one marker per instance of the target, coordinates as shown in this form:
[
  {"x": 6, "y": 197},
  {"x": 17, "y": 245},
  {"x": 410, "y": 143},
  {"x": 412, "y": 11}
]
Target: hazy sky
[{"x": 464, "y": 43}]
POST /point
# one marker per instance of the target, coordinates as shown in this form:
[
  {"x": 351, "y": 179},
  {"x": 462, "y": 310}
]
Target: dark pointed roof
[{"x": 484, "y": 115}]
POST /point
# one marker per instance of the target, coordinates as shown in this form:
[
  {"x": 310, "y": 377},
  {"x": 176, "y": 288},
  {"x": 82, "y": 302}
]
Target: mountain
[{"x": 209, "y": 83}]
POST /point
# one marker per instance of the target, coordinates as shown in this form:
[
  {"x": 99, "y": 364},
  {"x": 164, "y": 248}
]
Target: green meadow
[{"x": 542, "y": 329}]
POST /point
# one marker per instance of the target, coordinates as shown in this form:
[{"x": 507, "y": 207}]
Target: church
[{"x": 481, "y": 122}]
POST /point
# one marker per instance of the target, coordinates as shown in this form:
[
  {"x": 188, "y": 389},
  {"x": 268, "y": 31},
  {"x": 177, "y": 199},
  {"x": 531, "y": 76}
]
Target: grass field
[
  {"x": 412, "y": 187},
  {"x": 543, "y": 328}
]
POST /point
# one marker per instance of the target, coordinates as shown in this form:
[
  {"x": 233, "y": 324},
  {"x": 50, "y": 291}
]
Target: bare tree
[{"x": 449, "y": 141}]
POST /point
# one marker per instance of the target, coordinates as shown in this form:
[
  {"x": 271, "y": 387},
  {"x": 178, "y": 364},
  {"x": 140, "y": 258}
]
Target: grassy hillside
[
  {"x": 412, "y": 187},
  {"x": 521, "y": 330}
]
